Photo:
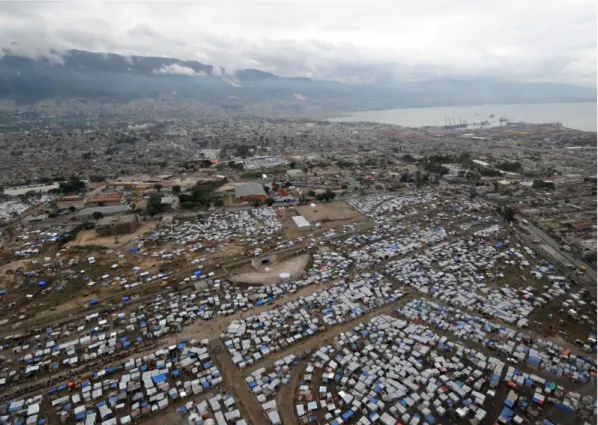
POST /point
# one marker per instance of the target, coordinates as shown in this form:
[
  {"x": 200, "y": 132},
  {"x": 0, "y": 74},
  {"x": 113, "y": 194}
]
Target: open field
[{"x": 333, "y": 211}]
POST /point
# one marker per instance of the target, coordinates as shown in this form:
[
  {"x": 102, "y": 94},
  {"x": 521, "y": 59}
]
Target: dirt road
[
  {"x": 286, "y": 396},
  {"x": 213, "y": 328},
  {"x": 234, "y": 378}
]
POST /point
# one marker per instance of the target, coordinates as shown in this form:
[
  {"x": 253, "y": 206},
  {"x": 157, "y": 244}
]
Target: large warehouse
[{"x": 247, "y": 192}]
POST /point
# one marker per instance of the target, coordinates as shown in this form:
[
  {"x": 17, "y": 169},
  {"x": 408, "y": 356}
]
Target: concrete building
[
  {"x": 296, "y": 174},
  {"x": 65, "y": 202},
  {"x": 247, "y": 192},
  {"x": 112, "y": 226}
]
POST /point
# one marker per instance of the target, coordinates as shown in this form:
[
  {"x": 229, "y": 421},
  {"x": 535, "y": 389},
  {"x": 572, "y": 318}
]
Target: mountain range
[{"x": 116, "y": 78}]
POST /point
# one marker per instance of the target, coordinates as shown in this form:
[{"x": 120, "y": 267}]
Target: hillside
[{"x": 116, "y": 78}]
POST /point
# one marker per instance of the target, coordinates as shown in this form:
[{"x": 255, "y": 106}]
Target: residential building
[
  {"x": 66, "y": 202},
  {"x": 106, "y": 199}
]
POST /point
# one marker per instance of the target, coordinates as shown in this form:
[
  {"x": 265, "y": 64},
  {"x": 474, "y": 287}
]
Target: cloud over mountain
[
  {"x": 351, "y": 41},
  {"x": 176, "y": 69}
]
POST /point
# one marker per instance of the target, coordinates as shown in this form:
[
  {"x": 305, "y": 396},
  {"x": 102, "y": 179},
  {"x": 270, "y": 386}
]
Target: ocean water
[{"x": 579, "y": 116}]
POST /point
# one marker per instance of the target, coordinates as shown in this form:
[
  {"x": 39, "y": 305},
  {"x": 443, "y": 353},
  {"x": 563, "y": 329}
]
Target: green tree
[
  {"x": 269, "y": 202},
  {"x": 97, "y": 215},
  {"x": 176, "y": 189},
  {"x": 311, "y": 193},
  {"x": 256, "y": 203},
  {"x": 155, "y": 205},
  {"x": 158, "y": 187},
  {"x": 73, "y": 184},
  {"x": 509, "y": 213},
  {"x": 97, "y": 178},
  {"x": 292, "y": 165}
]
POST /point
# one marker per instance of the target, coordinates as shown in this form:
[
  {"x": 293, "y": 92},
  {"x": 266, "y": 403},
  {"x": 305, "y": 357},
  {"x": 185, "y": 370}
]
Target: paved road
[{"x": 564, "y": 256}]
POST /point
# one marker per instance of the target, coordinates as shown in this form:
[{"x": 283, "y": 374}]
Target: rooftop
[
  {"x": 107, "y": 197},
  {"x": 120, "y": 219},
  {"x": 295, "y": 173},
  {"x": 70, "y": 198},
  {"x": 113, "y": 209},
  {"x": 249, "y": 189}
]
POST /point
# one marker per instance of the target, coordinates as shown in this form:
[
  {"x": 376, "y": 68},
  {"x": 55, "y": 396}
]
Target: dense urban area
[{"x": 248, "y": 272}]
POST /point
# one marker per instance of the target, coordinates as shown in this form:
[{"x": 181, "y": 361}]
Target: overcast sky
[{"x": 350, "y": 40}]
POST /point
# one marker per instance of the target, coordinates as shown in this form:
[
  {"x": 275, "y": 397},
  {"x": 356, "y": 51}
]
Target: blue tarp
[
  {"x": 564, "y": 407},
  {"x": 347, "y": 415},
  {"x": 507, "y": 414},
  {"x": 158, "y": 379}
]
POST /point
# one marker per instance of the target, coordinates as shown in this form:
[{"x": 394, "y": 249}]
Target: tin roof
[
  {"x": 249, "y": 189},
  {"x": 114, "y": 209}
]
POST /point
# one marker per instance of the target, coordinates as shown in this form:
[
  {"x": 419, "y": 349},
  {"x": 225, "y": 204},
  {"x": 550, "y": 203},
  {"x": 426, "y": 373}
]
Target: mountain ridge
[{"x": 119, "y": 78}]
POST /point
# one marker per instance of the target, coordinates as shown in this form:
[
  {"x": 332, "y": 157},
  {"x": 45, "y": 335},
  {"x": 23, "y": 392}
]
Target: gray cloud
[
  {"x": 351, "y": 40},
  {"x": 176, "y": 69}
]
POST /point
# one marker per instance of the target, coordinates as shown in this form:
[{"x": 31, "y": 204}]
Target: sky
[{"x": 349, "y": 41}]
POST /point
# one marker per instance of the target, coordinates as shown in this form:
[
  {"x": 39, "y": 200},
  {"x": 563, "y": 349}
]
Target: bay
[{"x": 578, "y": 116}]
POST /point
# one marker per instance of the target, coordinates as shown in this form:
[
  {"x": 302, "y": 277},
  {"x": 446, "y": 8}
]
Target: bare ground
[
  {"x": 88, "y": 237},
  {"x": 14, "y": 265},
  {"x": 286, "y": 396},
  {"x": 328, "y": 212}
]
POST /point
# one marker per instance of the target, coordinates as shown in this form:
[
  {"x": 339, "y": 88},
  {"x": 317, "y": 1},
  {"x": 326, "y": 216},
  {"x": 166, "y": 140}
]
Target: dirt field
[
  {"x": 14, "y": 265},
  {"x": 88, "y": 237},
  {"x": 334, "y": 211},
  {"x": 295, "y": 266},
  {"x": 546, "y": 321}
]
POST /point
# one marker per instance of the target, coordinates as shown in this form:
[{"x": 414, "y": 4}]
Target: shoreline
[{"x": 531, "y": 115}]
